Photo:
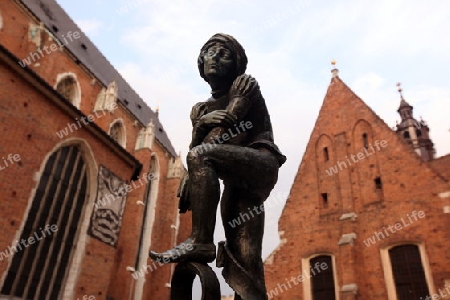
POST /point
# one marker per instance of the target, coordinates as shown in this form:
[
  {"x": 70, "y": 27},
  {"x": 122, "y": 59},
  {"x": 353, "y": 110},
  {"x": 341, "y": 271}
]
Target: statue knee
[{"x": 194, "y": 156}]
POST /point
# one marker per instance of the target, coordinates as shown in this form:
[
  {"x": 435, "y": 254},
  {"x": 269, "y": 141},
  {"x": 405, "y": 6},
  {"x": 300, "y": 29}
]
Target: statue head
[{"x": 230, "y": 57}]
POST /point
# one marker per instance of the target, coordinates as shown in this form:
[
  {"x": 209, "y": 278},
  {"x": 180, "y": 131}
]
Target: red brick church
[
  {"x": 88, "y": 175},
  {"x": 368, "y": 216}
]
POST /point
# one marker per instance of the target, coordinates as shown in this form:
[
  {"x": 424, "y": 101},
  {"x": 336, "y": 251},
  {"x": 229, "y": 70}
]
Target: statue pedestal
[
  {"x": 183, "y": 279},
  {"x": 235, "y": 275}
]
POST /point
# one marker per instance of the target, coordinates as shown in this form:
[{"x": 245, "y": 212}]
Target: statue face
[{"x": 218, "y": 62}]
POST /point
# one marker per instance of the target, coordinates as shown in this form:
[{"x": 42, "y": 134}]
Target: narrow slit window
[
  {"x": 365, "y": 140},
  {"x": 325, "y": 154},
  {"x": 378, "y": 183},
  {"x": 325, "y": 199}
]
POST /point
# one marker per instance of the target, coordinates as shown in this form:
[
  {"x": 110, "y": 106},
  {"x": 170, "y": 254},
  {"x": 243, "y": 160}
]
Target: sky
[{"x": 154, "y": 44}]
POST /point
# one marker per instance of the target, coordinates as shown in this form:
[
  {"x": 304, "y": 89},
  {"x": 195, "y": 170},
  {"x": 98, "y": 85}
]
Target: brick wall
[
  {"x": 311, "y": 226},
  {"x": 29, "y": 122}
]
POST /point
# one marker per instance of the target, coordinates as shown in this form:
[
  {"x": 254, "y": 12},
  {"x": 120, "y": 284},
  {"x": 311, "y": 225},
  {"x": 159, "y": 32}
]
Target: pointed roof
[
  {"x": 403, "y": 102},
  {"x": 341, "y": 95},
  {"x": 341, "y": 110}
]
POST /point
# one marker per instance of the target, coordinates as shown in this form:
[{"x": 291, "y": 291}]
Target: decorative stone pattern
[
  {"x": 146, "y": 137},
  {"x": 176, "y": 169},
  {"x": 109, "y": 206},
  {"x": 106, "y": 98},
  {"x": 35, "y": 35}
]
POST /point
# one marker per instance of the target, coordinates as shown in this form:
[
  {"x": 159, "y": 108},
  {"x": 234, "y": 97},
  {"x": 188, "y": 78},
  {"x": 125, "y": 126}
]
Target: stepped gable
[{"x": 59, "y": 23}]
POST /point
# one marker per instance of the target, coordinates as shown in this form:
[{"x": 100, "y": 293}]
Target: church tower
[{"x": 413, "y": 132}]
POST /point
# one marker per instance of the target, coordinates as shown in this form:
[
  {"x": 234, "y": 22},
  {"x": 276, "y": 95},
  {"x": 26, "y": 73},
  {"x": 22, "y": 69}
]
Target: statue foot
[{"x": 186, "y": 251}]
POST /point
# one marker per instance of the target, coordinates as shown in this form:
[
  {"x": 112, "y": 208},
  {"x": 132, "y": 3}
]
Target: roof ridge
[{"x": 94, "y": 61}]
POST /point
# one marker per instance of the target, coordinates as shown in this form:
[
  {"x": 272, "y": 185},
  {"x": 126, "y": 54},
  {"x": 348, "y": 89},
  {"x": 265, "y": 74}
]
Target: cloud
[
  {"x": 407, "y": 28},
  {"x": 369, "y": 82}
]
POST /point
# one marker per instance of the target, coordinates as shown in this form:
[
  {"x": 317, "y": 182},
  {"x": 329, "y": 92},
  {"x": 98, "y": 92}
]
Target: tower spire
[
  {"x": 415, "y": 133},
  {"x": 403, "y": 102},
  {"x": 399, "y": 88}
]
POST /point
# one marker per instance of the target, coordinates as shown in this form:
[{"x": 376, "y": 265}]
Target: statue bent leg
[{"x": 249, "y": 175}]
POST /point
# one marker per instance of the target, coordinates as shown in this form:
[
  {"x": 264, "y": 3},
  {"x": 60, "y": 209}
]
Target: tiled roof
[{"x": 58, "y": 22}]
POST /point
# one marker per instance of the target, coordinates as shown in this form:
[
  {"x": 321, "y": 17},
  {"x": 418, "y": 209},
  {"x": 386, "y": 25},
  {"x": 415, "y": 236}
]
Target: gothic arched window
[
  {"x": 38, "y": 271},
  {"x": 117, "y": 133},
  {"x": 68, "y": 87}
]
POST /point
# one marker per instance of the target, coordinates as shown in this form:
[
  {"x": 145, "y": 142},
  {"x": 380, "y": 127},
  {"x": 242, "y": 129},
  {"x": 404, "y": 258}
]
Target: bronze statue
[{"x": 232, "y": 140}]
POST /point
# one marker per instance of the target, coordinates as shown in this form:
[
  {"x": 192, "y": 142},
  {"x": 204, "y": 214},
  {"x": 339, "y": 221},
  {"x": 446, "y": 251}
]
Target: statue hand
[
  {"x": 218, "y": 118},
  {"x": 244, "y": 86}
]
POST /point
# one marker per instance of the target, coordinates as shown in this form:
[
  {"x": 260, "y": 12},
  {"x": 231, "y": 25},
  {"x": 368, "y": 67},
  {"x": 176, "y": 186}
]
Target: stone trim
[
  {"x": 152, "y": 203},
  {"x": 348, "y": 216},
  {"x": 350, "y": 288},
  {"x": 444, "y": 194},
  {"x": 348, "y": 238}
]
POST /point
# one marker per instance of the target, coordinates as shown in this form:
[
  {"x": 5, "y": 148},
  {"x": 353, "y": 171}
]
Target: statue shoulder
[
  {"x": 197, "y": 111},
  {"x": 244, "y": 85}
]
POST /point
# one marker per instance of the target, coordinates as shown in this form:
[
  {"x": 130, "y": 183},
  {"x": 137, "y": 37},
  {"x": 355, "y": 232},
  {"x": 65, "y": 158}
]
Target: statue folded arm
[{"x": 242, "y": 95}]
